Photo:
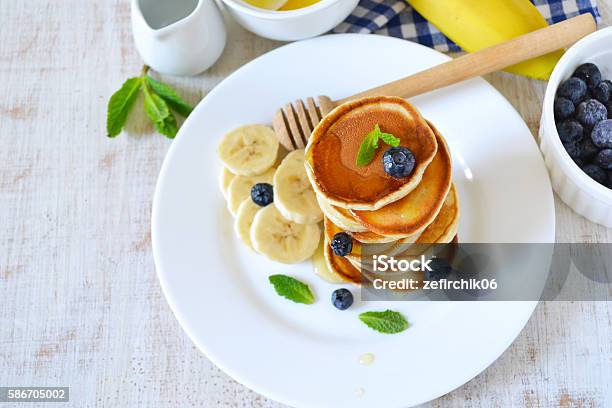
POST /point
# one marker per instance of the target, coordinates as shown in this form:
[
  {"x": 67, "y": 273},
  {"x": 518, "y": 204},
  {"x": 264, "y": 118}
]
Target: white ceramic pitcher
[{"x": 178, "y": 37}]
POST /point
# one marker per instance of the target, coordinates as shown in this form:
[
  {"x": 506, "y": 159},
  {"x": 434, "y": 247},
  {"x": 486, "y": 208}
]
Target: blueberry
[
  {"x": 573, "y": 89},
  {"x": 579, "y": 162},
  {"x": 570, "y": 131},
  {"x": 609, "y": 184},
  {"x": 609, "y": 106},
  {"x": 342, "y": 244},
  {"x": 342, "y": 299},
  {"x": 564, "y": 108},
  {"x": 588, "y": 150},
  {"x": 602, "y": 91},
  {"x": 589, "y": 73},
  {"x": 604, "y": 159},
  {"x": 590, "y": 112},
  {"x": 398, "y": 162},
  {"x": 588, "y": 95},
  {"x": 573, "y": 149},
  {"x": 440, "y": 269},
  {"x": 596, "y": 173},
  {"x": 262, "y": 194},
  {"x": 602, "y": 134}
]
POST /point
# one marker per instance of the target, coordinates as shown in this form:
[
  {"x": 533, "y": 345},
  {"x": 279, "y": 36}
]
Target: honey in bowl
[
  {"x": 281, "y": 5},
  {"x": 297, "y": 4}
]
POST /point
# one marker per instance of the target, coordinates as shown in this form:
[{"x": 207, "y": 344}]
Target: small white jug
[{"x": 178, "y": 37}]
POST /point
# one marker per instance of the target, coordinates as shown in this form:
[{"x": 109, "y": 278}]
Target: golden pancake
[
  {"x": 340, "y": 266},
  {"x": 414, "y": 212},
  {"x": 340, "y": 216},
  {"x": 332, "y": 152},
  {"x": 343, "y": 219},
  {"x": 330, "y": 229},
  {"x": 370, "y": 237},
  {"x": 320, "y": 265},
  {"x": 441, "y": 231},
  {"x": 444, "y": 227}
]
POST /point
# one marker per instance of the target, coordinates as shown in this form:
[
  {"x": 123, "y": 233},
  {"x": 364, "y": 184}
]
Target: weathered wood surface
[{"x": 80, "y": 303}]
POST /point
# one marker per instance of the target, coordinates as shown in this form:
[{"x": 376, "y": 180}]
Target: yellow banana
[{"x": 477, "y": 24}]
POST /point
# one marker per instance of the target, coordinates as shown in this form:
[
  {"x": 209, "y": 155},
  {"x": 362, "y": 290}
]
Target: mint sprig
[
  {"x": 292, "y": 289},
  {"x": 159, "y": 101},
  {"x": 389, "y": 322},
  {"x": 368, "y": 146}
]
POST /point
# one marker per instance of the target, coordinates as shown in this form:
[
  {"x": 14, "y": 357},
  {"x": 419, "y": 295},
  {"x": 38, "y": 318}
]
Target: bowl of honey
[{"x": 289, "y": 20}]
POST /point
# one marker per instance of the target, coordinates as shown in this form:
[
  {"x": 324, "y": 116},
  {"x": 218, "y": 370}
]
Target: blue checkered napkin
[{"x": 397, "y": 19}]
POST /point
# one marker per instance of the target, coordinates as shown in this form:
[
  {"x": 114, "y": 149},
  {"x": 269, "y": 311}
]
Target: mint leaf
[
  {"x": 375, "y": 135},
  {"x": 168, "y": 94},
  {"x": 120, "y": 104},
  {"x": 367, "y": 149},
  {"x": 385, "y": 322},
  {"x": 369, "y": 144},
  {"x": 292, "y": 289},
  {"x": 155, "y": 107},
  {"x": 389, "y": 139},
  {"x": 168, "y": 126},
  {"x": 157, "y": 110}
]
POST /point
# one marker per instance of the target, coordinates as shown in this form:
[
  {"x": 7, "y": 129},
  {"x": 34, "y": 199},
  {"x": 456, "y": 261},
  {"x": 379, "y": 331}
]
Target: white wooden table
[{"x": 80, "y": 304}]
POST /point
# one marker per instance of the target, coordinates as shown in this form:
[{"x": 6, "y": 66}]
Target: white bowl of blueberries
[{"x": 576, "y": 127}]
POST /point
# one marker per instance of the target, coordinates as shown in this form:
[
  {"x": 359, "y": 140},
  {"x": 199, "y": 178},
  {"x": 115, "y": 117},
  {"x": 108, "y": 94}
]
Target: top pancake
[
  {"x": 415, "y": 211},
  {"x": 332, "y": 152}
]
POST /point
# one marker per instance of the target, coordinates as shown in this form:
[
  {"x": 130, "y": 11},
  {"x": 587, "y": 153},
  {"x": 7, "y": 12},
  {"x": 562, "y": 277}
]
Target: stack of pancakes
[{"x": 366, "y": 202}]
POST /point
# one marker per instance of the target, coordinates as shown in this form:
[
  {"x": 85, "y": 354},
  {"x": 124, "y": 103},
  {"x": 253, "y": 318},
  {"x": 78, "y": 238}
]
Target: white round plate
[{"x": 307, "y": 356}]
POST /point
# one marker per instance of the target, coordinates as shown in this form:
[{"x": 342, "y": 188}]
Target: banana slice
[
  {"x": 244, "y": 220},
  {"x": 282, "y": 240},
  {"x": 249, "y": 150},
  {"x": 293, "y": 193},
  {"x": 239, "y": 188},
  {"x": 225, "y": 178}
]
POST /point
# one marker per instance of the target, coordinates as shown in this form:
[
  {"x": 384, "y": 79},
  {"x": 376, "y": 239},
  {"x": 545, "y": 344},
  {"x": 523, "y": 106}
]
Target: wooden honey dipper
[{"x": 294, "y": 123}]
